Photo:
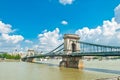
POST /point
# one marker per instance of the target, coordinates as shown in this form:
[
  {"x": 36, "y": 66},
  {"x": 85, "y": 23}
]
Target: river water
[{"x": 94, "y": 69}]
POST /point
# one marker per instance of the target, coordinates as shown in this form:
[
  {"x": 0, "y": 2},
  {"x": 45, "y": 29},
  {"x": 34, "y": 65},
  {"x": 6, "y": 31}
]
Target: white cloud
[
  {"x": 8, "y": 42},
  {"x": 5, "y": 28},
  {"x": 49, "y": 40},
  {"x": 64, "y": 22},
  {"x": 13, "y": 38},
  {"x": 28, "y": 41},
  {"x": 117, "y": 13},
  {"x": 65, "y": 2},
  {"x": 105, "y": 34}
]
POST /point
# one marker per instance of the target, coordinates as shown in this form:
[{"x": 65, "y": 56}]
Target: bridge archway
[
  {"x": 73, "y": 47},
  {"x": 63, "y": 64}
]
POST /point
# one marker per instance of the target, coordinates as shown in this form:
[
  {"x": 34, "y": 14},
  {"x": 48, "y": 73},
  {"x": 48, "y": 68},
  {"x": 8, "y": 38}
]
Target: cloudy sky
[{"x": 41, "y": 24}]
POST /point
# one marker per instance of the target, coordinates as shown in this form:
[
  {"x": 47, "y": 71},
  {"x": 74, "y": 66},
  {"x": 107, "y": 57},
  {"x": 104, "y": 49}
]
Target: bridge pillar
[
  {"x": 29, "y": 59},
  {"x": 72, "y": 62},
  {"x": 71, "y": 46}
]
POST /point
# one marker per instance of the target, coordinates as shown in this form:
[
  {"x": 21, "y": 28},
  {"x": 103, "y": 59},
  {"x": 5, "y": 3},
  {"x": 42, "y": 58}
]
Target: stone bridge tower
[{"x": 71, "y": 44}]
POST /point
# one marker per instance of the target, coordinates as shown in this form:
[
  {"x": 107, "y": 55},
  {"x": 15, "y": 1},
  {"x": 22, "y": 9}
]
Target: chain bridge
[
  {"x": 73, "y": 49},
  {"x": 87, "y": 49}
]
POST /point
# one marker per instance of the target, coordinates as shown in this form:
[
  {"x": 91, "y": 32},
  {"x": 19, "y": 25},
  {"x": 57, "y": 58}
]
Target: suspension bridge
[{"x": 72, "y": 51}]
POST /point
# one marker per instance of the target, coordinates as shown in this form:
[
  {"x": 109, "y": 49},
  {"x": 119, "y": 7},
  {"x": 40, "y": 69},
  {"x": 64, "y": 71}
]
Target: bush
[{"x": 8, "y": 56}]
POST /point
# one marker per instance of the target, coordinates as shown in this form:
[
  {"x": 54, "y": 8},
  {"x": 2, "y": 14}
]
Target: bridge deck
[{"x": 114, "y": 53}]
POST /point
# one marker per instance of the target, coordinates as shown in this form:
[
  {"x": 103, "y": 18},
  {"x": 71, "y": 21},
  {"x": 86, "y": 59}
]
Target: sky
[{"x": 41, "y": 24}]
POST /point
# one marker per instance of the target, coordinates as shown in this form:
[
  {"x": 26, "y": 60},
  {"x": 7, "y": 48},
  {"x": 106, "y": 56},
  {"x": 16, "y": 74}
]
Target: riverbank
[
  {"x": 114, "y": 78},
  {"x": 10, "y": 60}
]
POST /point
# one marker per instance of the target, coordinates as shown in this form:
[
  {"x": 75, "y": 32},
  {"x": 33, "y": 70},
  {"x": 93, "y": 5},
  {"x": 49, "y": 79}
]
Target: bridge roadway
[{"x": 113, "y": 53}]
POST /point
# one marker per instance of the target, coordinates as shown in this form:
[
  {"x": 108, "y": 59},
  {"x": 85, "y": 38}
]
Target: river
[{"x": 94, "y": 69}]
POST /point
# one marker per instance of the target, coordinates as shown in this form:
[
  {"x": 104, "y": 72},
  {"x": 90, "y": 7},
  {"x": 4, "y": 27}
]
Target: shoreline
[{"x": 10, "y": 60}]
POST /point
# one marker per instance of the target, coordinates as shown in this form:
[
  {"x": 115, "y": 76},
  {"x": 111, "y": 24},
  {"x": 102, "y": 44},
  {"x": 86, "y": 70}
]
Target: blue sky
[
  {"x": 30, "y": 18},
  {"x": 34, "y": 16}
]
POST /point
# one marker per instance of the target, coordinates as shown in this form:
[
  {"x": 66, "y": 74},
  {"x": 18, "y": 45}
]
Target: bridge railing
[{"x": 89, "y": 47}]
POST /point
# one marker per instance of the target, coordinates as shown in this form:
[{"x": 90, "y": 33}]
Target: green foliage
[
  {"x": 17, "y": 56},
  {"x": 9, "y": 56},
  {"x": 118, "y": 57},
  {"x": 97, "y": 57}
]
